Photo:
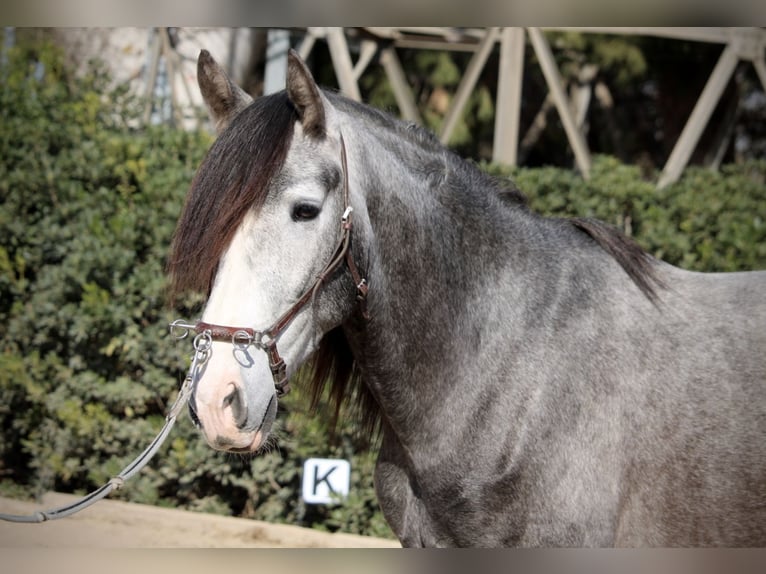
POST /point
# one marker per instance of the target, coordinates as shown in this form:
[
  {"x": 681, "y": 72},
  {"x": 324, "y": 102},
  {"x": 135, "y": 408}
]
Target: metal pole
[
  {"x": 699, "y": 117},
  {"x": 8, "y": 42},
  {"x": 170, "y": 69},
  {"x": 556, "y": 86},
  {"x": 404, "y": 99},
  {"x": 151, "y": 80},
  {"x": 341, "y": 60},
  {"x": 307, "y": 44},
  {"x": 760, "y": 68},
  {"x": 508, "y": 108},
  {"x": 275, "y": 75},
  {"x": 468, "y": 83}
]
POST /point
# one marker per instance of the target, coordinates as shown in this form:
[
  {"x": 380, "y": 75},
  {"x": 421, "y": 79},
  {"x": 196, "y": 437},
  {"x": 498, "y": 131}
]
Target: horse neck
[
  {"x": 463, "y": 285},
  {"x": 431, "y": 233},
  {"x": 436, "y": 237}
]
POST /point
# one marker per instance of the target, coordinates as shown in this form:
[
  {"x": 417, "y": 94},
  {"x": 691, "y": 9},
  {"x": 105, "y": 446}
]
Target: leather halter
[{"x": 266, "y": 340}]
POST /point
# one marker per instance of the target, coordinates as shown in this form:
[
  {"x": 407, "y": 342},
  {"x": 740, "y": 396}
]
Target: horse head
[{"x": 266, "y": 231}]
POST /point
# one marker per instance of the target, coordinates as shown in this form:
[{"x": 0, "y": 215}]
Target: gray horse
[{"x": 535, "y": 381}]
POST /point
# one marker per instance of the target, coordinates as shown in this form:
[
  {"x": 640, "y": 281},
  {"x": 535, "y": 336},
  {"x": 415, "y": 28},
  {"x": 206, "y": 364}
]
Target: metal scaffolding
[
  {"x": 165, "y": 68},
  {"x": 748, "y": 44}
]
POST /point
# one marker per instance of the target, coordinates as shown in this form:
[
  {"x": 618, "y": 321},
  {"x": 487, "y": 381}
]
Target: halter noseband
[{"x": 266, "y": 340}]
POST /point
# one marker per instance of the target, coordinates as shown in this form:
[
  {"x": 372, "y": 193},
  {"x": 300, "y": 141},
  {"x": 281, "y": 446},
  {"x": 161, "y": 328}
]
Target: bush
[
  {"x": 87, "y": 208},
  {"x": 708, "y": 221}
]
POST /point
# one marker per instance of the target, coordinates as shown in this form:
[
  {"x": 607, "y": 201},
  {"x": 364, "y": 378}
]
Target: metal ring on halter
[
  {"x": 242, "y": 339},
  {"x": 180, "y": 329},
  {"x": 203, "y": 341}
]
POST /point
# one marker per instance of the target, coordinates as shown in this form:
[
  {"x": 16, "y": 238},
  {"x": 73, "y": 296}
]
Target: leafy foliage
[
  {"x": 88, "y": 204},
  {"x": 708, "y": 221},
  {"x": 435, "y": 78}
]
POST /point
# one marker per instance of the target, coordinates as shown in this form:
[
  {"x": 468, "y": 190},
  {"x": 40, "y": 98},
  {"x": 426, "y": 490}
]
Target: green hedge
[
  {"x": 88, "y": 204},
  {"x": 708, "y": 221}
]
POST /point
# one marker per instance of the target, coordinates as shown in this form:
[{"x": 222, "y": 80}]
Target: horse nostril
[{"x": 235, "y": 401}]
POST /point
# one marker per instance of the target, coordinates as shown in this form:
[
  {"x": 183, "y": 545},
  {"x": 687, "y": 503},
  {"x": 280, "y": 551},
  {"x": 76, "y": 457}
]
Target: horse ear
[
  {"x": 224, "y": 99},
  {"x": 305, "y": 96}
]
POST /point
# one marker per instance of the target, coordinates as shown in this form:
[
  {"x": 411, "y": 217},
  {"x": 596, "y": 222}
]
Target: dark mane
[
  {"x": 232, "y": 179},
  {"x": 636, "y": 262},
  {"x": 333, "y": 364}
]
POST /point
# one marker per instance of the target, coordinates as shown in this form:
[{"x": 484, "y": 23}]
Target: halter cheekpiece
[{"x": 266, "y": 340}]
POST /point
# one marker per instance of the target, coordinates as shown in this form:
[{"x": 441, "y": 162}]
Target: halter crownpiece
[{"x": 266, "y": 340}]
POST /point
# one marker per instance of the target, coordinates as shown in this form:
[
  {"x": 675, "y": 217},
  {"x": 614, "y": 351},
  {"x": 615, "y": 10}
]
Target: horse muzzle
[{"x": 227, "y": 420}]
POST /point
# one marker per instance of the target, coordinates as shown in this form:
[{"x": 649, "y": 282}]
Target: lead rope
[{"x": 202, "y": 343}]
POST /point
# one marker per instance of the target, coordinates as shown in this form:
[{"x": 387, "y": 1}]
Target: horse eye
[{"x": 305, "y": 212}]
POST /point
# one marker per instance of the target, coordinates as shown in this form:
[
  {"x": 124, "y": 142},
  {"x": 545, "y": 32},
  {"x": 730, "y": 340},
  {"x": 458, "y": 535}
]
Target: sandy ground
[{"x": 118, "y": 524}]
